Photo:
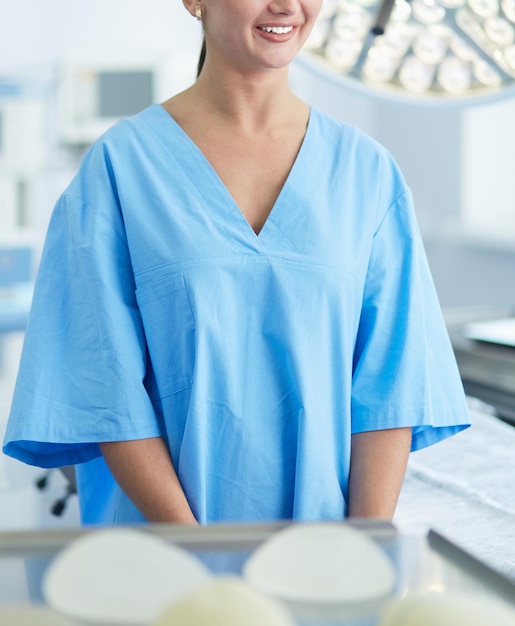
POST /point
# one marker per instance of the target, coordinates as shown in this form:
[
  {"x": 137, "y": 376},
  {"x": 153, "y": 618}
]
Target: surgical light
[{"x": 437, "y": 48}]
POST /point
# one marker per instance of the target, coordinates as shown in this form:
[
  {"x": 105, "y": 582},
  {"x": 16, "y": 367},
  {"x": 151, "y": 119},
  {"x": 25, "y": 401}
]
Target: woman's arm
[
  {"x": 145, "y": 472},
  {"x": 378, "y": 465}
]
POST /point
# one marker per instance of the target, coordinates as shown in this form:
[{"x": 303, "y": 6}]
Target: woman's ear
[{"x": 191, "y": 6}]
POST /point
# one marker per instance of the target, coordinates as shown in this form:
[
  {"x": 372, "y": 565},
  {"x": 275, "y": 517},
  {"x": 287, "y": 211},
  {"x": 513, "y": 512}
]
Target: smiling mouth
[{"x": 278, "y": 30}]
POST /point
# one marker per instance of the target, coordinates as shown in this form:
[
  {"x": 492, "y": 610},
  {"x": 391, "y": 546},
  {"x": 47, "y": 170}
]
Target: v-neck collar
[{"x": 287, "y": 206}]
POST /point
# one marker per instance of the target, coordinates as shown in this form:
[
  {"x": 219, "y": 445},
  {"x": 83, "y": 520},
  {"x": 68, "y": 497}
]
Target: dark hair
[{"x": 202, "y": 57}]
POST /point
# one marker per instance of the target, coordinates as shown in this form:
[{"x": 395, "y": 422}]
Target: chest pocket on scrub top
[{"x": 170, "y": 332}]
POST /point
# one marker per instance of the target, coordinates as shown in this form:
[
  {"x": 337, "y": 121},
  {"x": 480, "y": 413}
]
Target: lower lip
[{"x": 276, "y": 37}]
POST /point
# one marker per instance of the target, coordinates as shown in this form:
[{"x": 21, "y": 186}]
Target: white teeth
[{"x": 279, "y": 30}]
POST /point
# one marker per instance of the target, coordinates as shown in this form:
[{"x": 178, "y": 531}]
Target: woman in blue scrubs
[{"x": 234, "y": 319}]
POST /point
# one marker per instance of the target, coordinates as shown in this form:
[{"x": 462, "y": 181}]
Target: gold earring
[{"x": 198, "y": 12}]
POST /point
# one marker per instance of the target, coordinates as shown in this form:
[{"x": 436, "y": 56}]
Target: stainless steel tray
[{"x": 422, "y": 563}]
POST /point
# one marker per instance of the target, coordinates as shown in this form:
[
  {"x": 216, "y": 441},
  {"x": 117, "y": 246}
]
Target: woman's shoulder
[
  {"x": 132, "y": 129},
  {"x": 112, "y": 158},
  {"x": 337, "y": 132},
  {"x": 124, "y": 145},
  {"x": 347, "y": 145}
]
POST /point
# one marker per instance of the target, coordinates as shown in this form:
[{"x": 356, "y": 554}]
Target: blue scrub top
[{"x": 159, "y": 311}]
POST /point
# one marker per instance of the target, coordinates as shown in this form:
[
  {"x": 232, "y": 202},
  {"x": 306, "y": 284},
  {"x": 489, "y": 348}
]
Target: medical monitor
[
  {"x": 95, "y": 91},
  {"x": 124, "y": 93}
]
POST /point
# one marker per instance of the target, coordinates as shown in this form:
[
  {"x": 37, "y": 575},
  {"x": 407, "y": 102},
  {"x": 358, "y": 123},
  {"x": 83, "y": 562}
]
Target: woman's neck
[{"x": 249, "y": 103}]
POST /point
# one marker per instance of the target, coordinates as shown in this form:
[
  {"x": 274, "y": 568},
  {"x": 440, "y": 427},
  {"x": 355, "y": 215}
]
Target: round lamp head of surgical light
[{"x": 443, "y": 50}]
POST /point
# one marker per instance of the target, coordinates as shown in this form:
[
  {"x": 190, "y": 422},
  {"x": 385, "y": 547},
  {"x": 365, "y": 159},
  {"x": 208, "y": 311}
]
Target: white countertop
[{"x": 464, "y": 487}]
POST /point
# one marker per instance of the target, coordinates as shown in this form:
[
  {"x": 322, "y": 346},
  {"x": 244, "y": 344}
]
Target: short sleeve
[
  {"x": 405, "y": 373},
  {"x": 82, "y": 370}
]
